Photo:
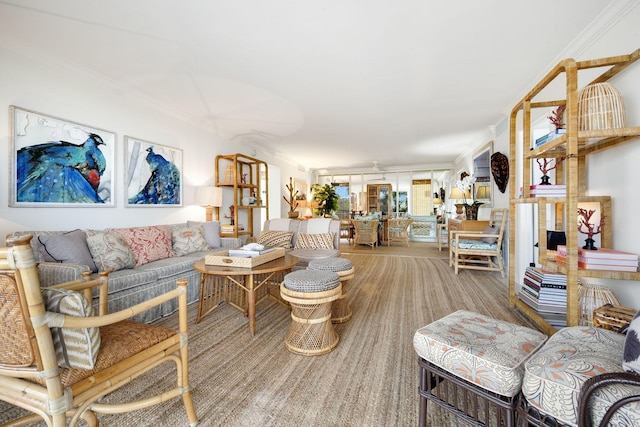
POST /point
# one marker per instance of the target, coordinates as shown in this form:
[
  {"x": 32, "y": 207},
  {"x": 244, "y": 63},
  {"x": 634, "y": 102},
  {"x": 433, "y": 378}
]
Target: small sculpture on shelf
[
  {"x": 557, "y": 117},
  {"x": 546, "y": 166},
  {"x": 292, "y": 201},
  {"x": 232, "y": 213},
  {"x": 586, "y": 227}
]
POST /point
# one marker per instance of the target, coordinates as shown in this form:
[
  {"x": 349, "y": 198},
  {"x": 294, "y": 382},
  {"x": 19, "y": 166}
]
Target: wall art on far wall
[
  {"x": 153, "y": 174},
  {"x": 59, "y": 163}
]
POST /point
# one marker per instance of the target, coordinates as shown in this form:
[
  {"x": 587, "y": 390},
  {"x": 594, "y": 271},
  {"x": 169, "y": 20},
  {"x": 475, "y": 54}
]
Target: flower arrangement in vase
[
  {"x": 586, "y": 227},
  {"x": 292, "y": 201},
  {"x": 464, "y": 184}
]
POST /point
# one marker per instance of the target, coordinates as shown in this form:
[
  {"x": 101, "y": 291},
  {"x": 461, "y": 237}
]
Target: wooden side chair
[
  {"x": 476, "y": 250},
  {"x": 398, "y": 230},
  {"x": 59, "y": 365},
  {"x": 366, "y": 232}
]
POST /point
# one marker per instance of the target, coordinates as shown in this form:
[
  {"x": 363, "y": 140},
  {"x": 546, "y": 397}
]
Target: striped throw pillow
[
  {"x": 276, "y": 239},
  {"x": 315, "y": 241},
  {"x": 75, "y": 347}
]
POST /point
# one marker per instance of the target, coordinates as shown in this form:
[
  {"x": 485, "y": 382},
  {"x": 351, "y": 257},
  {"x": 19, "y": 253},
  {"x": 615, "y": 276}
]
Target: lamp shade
[
  {"x": 208, "y": 195},
  {"x": 483, "y": 192},
  {"x": 458, "y": 194},
  {"x": 437, "y": 201}
]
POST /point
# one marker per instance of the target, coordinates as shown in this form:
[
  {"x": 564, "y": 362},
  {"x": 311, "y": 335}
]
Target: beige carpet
[{"x": 370, "y": 379}]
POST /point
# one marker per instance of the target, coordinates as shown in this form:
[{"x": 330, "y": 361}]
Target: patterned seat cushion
[
  {"x": 473, "y": 244},
  {"x": 484, "y": 351},
  {"x": 331, "y": 264},
  {"x": 555, "y": 374},
  {"x": 311, "y": 281}
]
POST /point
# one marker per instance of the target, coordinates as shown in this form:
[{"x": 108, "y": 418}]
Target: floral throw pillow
[
  {"x": 148, "y": 243},
  {"x": 188, "y": 240},
  {"x": 110, "y": 251},
  {"x": 315, "y": 241}
]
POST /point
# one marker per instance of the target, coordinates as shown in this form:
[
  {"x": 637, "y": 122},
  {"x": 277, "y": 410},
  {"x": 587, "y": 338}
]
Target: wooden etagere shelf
[
  {"x": 574, "y": 147},
  {"x": 248, "y": 179}
]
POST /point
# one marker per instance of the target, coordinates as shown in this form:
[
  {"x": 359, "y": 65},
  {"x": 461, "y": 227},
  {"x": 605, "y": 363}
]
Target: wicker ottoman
[
  {"x": 310, "y": 294},
  {"x": 473, "y": 365},
  {"x": 340, "y": 309}
]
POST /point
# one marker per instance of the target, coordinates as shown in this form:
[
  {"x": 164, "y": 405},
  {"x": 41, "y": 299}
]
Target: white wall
[
  {"x": 613, "y": 172},
  {"x": 54, "y": 89}
]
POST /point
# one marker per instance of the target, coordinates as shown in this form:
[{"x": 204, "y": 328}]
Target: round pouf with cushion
[
  {"x": 310, "y": 293},
  {"x": 340, "y": 309}
]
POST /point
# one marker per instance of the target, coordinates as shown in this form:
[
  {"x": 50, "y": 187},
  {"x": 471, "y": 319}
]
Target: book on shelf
[
  {"x": 589, "y": 266},
  {"x": 543, "y": 307},
  {"x": 600, "y": 253},
  {"x": 550, "y": 136},
  {"x": 249, "y": 253},
  {"x": 228, "y": 228},
  {"x": 550, "y": 190}
]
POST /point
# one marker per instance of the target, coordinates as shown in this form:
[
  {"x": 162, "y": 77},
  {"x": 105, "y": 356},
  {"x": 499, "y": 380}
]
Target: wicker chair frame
[
  {"x": 366, "y": 232},
  {"x": 479, "y": 259},
  {"x": 29, "y": 374},
  {"x": 398, "y": 230}
]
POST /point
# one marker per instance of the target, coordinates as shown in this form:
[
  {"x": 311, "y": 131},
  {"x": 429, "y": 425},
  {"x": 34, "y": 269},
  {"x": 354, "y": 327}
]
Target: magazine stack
[{"x": 546, "y": 293}]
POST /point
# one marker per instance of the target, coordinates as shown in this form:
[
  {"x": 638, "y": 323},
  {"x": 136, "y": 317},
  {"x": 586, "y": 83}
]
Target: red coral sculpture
[
  {"x": 557, "y": 117},
  {"x": 586, "y": 227}
]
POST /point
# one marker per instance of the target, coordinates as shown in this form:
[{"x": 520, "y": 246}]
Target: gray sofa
[
  {"x": 133, "y": 285},
  {"x": 315, "y": 232}
]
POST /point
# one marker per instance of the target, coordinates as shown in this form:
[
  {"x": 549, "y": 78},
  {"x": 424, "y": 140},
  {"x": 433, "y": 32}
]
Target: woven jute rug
[{"x": 370, "y": 379}]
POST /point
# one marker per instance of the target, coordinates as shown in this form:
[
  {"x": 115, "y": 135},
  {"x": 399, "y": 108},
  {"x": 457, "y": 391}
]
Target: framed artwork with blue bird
[
  {"x": 59, "y": 163},
  {"x": 153, "y": 174}
]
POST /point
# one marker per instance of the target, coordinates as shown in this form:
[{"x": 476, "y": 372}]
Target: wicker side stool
[
  {"x": 310, "y": 294},
  {"x": 473, "y": 366},
  {"x": 340, "y": 308}
]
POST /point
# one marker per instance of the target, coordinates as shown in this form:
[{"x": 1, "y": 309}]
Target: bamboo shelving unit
[{"x": 575, "y": 146}]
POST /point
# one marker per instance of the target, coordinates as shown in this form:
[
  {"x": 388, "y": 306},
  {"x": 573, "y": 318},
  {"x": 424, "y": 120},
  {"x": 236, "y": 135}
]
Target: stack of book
[
  {"x": 550, "y": 136},
  {"x": 549, "y": 190},
  {"x": 601, "y": 259},
  {"x": 546, "y": 293},
  {"x": 228, "y": 228}
]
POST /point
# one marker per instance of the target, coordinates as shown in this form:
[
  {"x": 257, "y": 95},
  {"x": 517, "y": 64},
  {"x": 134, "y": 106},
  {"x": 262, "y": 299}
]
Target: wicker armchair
[
  {"x": 475, "y": 250},
  {"x": 30, "y": 372},
  {"x": 366, "y": 232},
  {"x": 398, "y": 230},
  {"x": 592, "y": 385}
]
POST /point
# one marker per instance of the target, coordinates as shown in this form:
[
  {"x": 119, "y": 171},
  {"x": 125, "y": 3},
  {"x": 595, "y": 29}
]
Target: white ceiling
[{"x": 326, "y": 84}]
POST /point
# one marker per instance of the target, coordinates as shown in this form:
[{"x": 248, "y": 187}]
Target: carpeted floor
[{"x": 370, "y": 379}]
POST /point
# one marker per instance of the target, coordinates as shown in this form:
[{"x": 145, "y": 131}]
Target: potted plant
[
  {"x": 292, "y": 201},
  {"x": 326, "y": 197}
]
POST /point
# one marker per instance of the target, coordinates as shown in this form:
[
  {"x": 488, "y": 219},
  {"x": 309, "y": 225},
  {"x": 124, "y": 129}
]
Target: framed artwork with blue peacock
[
  {"x": 59, "y": 163},
  {"x": 153, "y": 174}
]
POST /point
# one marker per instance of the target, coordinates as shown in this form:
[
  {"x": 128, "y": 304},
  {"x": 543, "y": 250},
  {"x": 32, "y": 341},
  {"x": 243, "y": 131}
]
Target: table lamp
[
  {"x": 209, "y": 197},
  {"x": 437, "y": 202},
  {"x": 458, "y": 194}
]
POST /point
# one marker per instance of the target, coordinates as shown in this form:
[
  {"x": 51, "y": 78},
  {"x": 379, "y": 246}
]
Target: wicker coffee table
[{"x": 243, "y": 288}]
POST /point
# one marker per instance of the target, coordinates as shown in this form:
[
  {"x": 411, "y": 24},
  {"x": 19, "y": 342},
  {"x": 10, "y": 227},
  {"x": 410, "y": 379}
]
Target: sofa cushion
[
  {"x": 110, "y": 251},
  {"x": 210, "y": 231},
  {"x": 314, "y": 241},
  {"x": 484, "y": 351},
  {"x": 170, "y": 267},
  {"x": 75, "y": 347},
  {"x": 148, "y": 243},
  {"x": 554, "y": 375},
  {"x": 188, "y": 240},
  {"x": 631, "y": 350},
  {"x": 69, "y": 247},
  {"x": 276, "y": 239},
  {"x": 130, "y": 278}
]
